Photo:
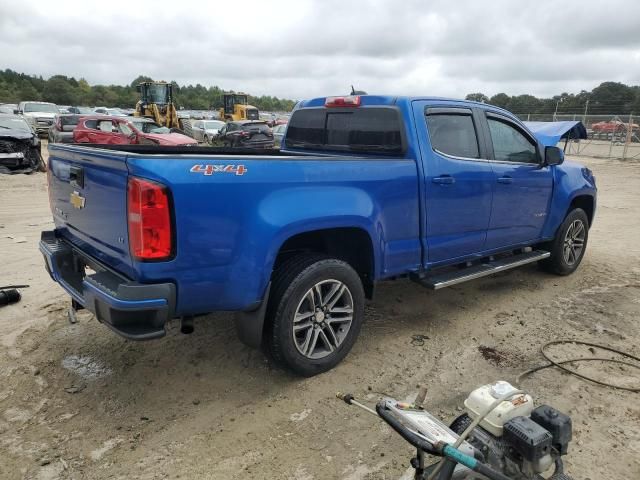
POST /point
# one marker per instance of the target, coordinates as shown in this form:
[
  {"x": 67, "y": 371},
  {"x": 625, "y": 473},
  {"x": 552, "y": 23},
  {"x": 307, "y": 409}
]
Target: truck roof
[{"x": 381, "y": 100}]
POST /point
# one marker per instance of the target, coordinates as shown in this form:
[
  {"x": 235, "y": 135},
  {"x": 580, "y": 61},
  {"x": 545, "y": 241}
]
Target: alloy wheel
[
  {"x": 323, "y": 319},
  {"x": 573, "y": 244}
]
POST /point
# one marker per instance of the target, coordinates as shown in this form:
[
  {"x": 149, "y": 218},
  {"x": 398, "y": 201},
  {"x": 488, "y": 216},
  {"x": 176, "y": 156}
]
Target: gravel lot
[{"x": 76, "y": 401}]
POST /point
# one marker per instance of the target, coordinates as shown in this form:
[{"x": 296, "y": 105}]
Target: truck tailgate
[{"x": 88, "y": 195}]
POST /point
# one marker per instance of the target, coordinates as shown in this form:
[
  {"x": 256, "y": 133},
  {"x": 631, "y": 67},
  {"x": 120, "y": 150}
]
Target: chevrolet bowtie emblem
[{"x": 77, "y": 200}]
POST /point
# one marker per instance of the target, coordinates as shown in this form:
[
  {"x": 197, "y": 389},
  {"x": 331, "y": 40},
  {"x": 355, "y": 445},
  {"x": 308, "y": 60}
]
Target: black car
[
  {"x": 19, "y": 146},
  {"x": 246, "y": 134},
  {"x": 62, "y": 129}
]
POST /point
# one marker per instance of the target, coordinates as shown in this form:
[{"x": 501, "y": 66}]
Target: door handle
[
  {"x": 505, "y": 179},
  {"x": 444, "y": 180}
]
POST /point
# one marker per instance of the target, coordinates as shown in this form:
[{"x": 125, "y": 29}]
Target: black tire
[
  {"x": 206, "y": 140},
  {"x": 292, "y": 283},
  {"x": 560, "y": 262},
  {"x": 186, "y": 127}
]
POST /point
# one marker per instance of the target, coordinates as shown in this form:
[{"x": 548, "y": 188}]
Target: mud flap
[{"x": 249, "y": 325}]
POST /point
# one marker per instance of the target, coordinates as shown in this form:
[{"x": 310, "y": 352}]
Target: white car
[
  {"x": 206, "y": 130},
  {"x": 40, "y": 115},
  {"x": 114, "y": 112}
]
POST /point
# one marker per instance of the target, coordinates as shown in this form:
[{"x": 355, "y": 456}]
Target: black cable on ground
[
  {"x": 14, "y": 286},
  {"x": 559, "y": 364}
]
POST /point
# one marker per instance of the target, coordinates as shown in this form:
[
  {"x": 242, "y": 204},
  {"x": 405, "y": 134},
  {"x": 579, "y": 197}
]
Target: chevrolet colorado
[{"x": 365, "y": 188}]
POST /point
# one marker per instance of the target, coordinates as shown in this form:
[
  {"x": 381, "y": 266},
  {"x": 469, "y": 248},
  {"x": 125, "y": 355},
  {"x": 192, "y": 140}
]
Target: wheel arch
[
  {"x": 351, "y": 244},
  {"x": 586, "y": 203}
]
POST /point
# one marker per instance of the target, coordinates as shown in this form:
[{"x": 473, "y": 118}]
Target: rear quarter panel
[{"x": 230, "y": 227}]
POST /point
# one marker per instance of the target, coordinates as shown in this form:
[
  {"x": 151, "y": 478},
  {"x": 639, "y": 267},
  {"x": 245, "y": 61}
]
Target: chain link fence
[{"x": 610, "y": 136}]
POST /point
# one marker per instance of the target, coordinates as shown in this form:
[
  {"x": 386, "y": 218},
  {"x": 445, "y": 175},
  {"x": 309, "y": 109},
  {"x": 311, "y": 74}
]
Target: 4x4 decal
[{"x": 211, "y": 169}]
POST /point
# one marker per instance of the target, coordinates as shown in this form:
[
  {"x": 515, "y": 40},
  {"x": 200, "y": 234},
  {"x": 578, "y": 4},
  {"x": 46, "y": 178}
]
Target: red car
[
  {"x": 109, "y": 130},
  {"x": 614, "y": 126}
]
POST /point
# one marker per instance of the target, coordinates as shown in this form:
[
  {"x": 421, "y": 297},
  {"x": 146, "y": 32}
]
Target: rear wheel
[
  {"x": 206, "y": 140},
  {"x": 314, "y": 315},
  {"x": 568, "y": 247}
]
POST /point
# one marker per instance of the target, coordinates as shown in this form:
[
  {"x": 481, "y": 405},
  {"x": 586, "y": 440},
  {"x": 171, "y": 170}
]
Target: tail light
[
  {"x": 244, "y": 134},
  {"x": 149, "y": 218},
  {"x": 348, "y": 101}
]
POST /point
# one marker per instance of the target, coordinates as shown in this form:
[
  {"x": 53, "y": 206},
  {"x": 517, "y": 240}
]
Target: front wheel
[
  {"x": 569, "y": 245},
  {"x": 314, "y": 313}
]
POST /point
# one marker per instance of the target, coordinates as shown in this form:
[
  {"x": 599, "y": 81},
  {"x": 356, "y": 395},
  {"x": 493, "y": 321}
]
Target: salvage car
[
  {"x": 106, "y": 130},
  {"x": 148, "y": 132},
  {"x": 614, "y": 127},
  {"x": 8, "y": 108},
  {"x": 39, "y": 114},
  {"x": 365, "y": 189},
  {"x": 206, "y": 130},
  {"x": 62, "y": 129},
  {"x": 114, "y": 112},
  {"x": 278, "y": 134},
  {"x": 246, "y": 134},
  {"x": 19, "y": 146},
  {"x": 82, "y": 110}
]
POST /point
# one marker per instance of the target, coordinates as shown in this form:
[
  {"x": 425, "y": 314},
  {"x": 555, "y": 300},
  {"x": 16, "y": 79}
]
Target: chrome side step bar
[{"x": 438, "y": 281}]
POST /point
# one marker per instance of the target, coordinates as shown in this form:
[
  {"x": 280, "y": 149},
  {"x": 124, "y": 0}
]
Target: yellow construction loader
[
  {"x": 236, "y": 108},
  {"x": 156, "y": 102}
]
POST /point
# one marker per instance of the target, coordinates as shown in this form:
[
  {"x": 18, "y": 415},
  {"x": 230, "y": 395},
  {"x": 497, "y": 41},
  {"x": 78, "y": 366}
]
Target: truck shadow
[{"x": 212, "y": 361}]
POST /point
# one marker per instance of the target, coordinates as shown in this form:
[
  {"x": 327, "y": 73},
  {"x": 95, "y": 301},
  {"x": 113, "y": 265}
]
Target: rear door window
[
  {"x": 453, "y": 133},
  {"x": 363, "y": 129},
  {"x": 106, "y": 126}
]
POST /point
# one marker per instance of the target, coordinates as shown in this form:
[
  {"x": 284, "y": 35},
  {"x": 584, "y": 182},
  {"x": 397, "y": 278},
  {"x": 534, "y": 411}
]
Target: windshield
[
  {"x": 213, "y": 125},
  {"x": 150, "y": 127},
  {"x": 158, "y": 94},
  {"x": 14, "y": 123},
  {"x": 84, "y": 110},
  {"x": 41, "y": 107}
]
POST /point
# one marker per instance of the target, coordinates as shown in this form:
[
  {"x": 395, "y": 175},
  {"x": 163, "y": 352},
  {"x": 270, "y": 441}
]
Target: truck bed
[{"x": 232, "y": 210}]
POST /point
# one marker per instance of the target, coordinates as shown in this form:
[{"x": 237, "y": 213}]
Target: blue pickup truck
[{"x": 365, "y": 188}]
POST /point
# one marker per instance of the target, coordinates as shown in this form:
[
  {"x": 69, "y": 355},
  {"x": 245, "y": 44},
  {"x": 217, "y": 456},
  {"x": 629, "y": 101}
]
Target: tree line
[
  {"x": 607, "y": 98},
  {"x": 612, "y": 98},
  {"x": 63, "y": 90}
]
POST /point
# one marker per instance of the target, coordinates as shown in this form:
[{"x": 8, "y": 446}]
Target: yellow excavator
[
  {"x": 156, "y": 102},
  {"x": 236, "y": 107}
]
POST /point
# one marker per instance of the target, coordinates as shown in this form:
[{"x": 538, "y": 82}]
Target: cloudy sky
[{"x": 305, "y": 48}]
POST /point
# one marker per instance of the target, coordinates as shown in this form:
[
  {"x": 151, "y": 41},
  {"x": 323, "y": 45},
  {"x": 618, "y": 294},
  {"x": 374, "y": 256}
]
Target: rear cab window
[{"x": 377, "y": 130}]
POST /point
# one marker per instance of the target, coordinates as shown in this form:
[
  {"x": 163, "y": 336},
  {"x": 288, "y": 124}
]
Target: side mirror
[{"x": 553, "y": 156}]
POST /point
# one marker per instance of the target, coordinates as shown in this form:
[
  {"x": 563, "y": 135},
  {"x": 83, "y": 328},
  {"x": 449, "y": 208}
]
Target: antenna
[{"x": 357, "y": 92}]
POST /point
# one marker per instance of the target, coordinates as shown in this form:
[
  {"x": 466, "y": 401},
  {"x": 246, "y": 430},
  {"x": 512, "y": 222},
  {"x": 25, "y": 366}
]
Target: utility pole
[
  {"x": 627, "y": 140},
  {"x": 555, "y": 114},
  {"x": 584, "y": 117}
]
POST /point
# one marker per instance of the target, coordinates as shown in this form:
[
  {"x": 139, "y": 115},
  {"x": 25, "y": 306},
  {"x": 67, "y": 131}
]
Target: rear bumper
[{"x": 133, "y": 310}]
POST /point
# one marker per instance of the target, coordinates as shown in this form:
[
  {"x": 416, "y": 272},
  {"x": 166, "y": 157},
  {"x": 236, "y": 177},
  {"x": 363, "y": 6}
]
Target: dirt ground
[{"x": 77, "y": 401}]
